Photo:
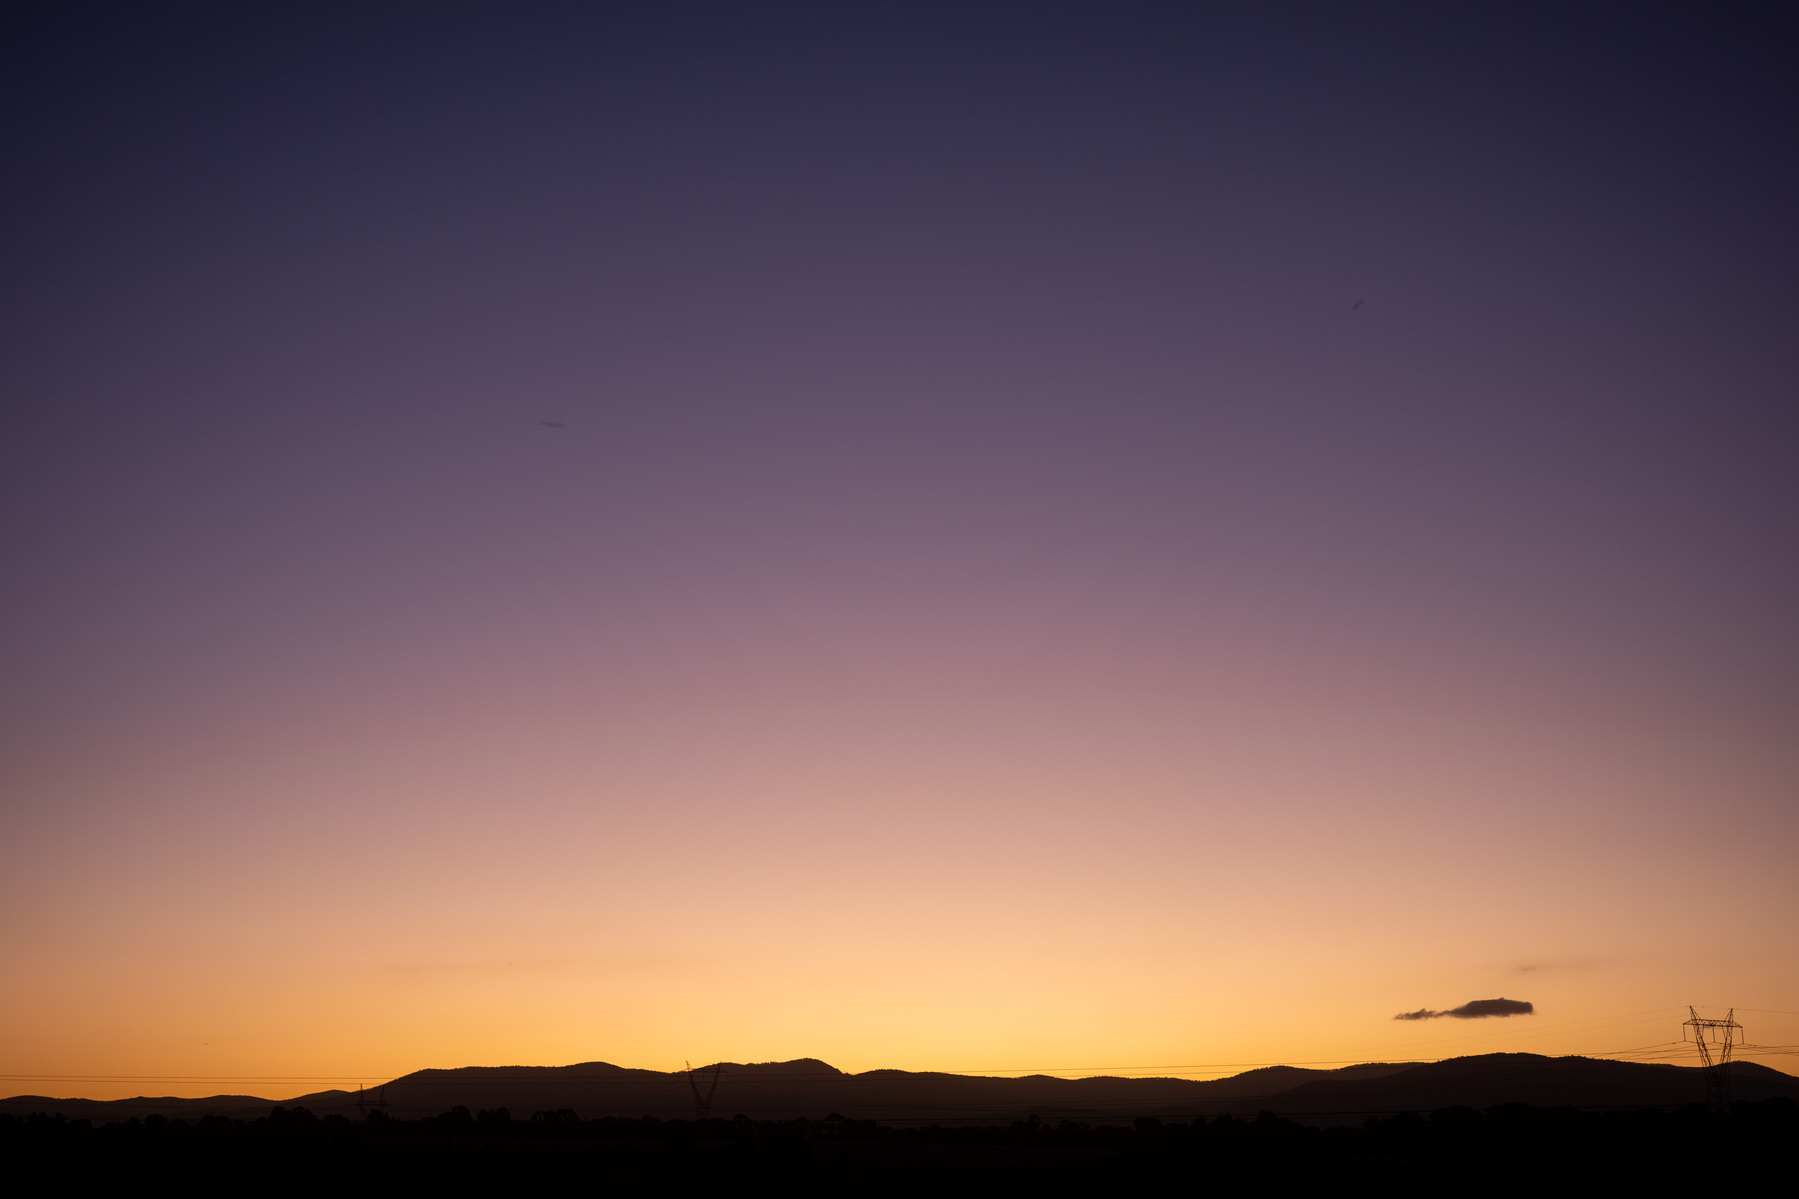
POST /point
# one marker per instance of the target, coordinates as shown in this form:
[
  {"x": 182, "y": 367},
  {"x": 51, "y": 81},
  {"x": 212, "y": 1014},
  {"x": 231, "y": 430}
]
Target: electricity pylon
[
  {"x": 1715, "y": 1039},
  {"x": 702, "y": 1103}
]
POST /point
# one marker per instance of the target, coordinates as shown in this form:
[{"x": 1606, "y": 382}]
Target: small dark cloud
[{"x": 1474, "y": 1009}]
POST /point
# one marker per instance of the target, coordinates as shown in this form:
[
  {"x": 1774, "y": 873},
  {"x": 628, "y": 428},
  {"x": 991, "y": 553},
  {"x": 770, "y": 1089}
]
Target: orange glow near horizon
[{"x": 1124, "y": 859}]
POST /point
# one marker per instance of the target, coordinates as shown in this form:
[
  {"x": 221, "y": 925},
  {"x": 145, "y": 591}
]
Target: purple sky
[{"x": 1374, "y": 419}]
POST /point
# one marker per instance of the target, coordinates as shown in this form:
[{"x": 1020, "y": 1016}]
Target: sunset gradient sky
[{"x": 996, "y": 601}]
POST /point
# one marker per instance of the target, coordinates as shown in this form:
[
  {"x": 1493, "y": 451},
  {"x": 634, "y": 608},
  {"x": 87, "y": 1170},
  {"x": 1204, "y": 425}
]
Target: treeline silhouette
[{"x": 293, "y": 1149}]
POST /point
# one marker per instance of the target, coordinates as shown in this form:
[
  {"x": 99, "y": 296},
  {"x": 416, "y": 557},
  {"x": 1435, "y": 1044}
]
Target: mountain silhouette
[{"x": 810, "y": 1088}]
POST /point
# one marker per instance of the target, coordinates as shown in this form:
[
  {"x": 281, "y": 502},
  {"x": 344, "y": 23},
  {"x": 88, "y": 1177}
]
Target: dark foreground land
[{"x": 1508, "y": 1147}]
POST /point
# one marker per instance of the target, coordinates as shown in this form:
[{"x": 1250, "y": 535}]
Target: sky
[{"x": 992, "y": 537}]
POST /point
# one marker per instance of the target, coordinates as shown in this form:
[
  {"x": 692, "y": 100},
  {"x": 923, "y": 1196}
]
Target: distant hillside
[
  {"x": 813, "y": 1089},
  {"x": 1495, "y": 1078}
]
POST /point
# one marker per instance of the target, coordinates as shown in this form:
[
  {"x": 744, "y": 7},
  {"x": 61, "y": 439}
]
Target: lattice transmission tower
[
  {"x": 702, "y": 1099},
  {"x": 1715, "y": 1039}
]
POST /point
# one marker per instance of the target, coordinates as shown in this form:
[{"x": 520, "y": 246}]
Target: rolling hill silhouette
[{"x": 811, "y": 1088}]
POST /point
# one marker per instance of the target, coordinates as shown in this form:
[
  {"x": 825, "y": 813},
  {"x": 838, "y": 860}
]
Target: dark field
[{"x": 292, "y": 1151}]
